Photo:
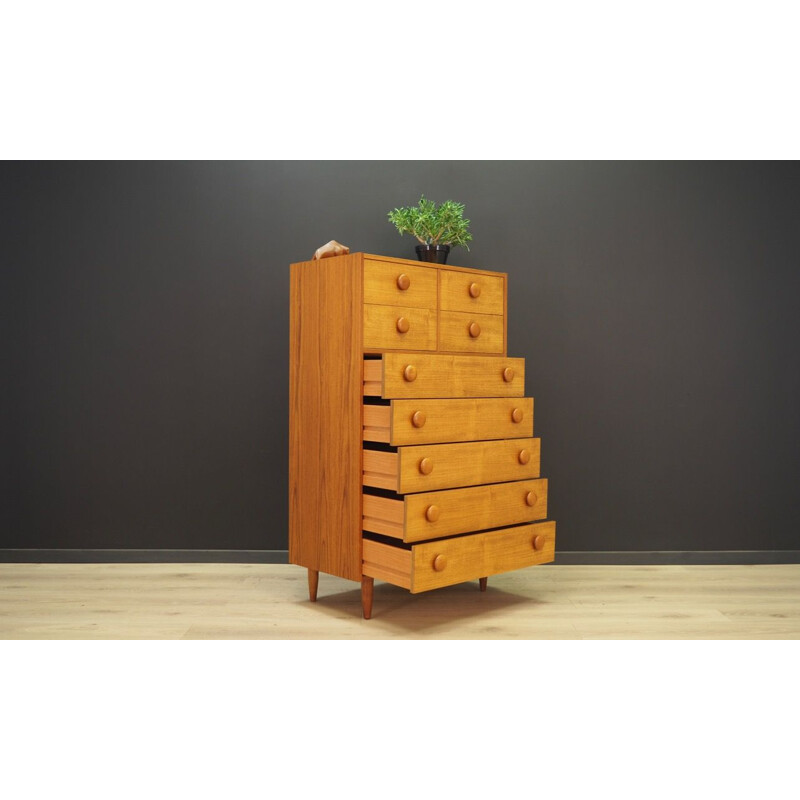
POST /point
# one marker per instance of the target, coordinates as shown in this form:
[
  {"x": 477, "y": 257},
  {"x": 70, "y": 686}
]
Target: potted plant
[{"x": 438, "y": 228}]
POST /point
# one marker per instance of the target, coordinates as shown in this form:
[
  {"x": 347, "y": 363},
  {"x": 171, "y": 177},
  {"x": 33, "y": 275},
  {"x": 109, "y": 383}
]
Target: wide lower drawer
[
  {"x": 431, "y": 565},
  {"x": 447, "y": 466},
  {"x": 471, "y": 333},
  {"x": 456, "y": 420},
  {"x": 404, "y": 375},
  {"x": 431, "y": 515},
  {"x": 399, "y": 328}
]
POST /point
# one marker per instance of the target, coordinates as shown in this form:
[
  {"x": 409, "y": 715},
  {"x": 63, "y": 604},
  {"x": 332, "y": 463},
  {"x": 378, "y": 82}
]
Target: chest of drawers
[{"x": 412, "y": 456}]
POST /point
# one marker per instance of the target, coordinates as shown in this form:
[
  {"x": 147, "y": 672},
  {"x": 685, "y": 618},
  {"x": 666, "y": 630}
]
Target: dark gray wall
[{"x": 145, "y": 320}]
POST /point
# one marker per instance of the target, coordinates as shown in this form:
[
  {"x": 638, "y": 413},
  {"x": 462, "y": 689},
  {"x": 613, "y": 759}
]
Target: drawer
[
  {"x": 403, "y": 375},
  {"x": 432, "y": 515},
  {"x": 399, "y": 328},
  {"x": 431, "y": 565},
  {"x": 471, "y": 333},
  {"x": 446, "y": 466},
  {"x": 475, "y": 293},
  {"x": 399, "y": 285},
  {"x": 406, "y": 422}
]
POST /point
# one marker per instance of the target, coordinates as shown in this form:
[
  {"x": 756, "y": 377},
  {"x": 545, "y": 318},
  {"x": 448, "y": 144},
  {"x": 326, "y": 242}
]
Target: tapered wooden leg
[
  {"x": 366, "y": 595},
  {"x": 313, "y": 582},
  {"x": 483, "y": 582}
]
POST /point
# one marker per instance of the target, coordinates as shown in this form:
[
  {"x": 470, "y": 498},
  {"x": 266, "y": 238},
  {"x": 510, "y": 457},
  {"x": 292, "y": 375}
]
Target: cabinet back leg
[
  {"x": 367, "y": 585},
  {"x": 483, "y": 582},
  {"x": 313, "y": 582}
]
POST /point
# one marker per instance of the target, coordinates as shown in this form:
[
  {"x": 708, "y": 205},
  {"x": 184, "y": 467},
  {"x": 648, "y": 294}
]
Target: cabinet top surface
[{"x": 402, "y": 261}]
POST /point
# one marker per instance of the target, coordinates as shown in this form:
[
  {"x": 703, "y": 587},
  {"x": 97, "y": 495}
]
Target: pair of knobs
[
  {"x": 403, "y": 326},
  {"x": 426, "y": 464},
  {"x": 418, "y": 418},
  {"x": 432, "y": 512},
  {"x": 410, "y": 374},
  {"x": 440, "y": 561},
  {"x": 403, "y": 283}
]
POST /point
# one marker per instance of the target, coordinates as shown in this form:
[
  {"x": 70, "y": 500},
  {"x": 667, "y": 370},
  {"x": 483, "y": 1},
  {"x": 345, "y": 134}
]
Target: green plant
[{"x": 432, "y": 224}]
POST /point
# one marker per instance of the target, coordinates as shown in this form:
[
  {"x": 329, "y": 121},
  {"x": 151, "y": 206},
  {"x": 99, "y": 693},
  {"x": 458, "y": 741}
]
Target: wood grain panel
[
  {"x": 387, "y": 563},
  {"x": 326, "y": 362},
  {"x": 456, "y": 420},
  {"x": 381, "y": 328},
  {"x": 457, "y": 510},
  {"x": 466, "y": 464},
  {"x": 454, "y": 327},
  {"x": 440, "y": 376},
  {"x": 467, "y": 558},
  {"x": 381, "y": 284},
  {"x": 454, "y": 292}
]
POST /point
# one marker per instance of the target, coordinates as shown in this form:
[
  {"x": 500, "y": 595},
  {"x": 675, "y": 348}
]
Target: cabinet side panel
[{"x": 325, "y": 395}]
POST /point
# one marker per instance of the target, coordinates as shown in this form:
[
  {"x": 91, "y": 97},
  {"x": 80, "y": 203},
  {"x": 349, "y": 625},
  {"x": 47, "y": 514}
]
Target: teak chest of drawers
[{"x": 411, "y": 450}]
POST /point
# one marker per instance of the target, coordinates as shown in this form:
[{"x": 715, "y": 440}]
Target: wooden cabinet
[{"x": 412, "y": 456}]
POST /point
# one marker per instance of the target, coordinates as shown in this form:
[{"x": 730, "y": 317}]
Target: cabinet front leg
[
  {"x": 313, "y": 582},
  {"x": 483, "y": 582},
  {"x": 367, "y": 585}
]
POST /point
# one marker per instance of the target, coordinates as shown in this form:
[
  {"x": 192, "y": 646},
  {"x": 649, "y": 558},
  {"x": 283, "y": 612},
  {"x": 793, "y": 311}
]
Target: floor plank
[{"x": 270, "y": 601}]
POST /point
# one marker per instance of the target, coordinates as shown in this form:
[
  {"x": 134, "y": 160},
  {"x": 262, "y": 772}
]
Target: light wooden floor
[{"x": 270, "y": 601}]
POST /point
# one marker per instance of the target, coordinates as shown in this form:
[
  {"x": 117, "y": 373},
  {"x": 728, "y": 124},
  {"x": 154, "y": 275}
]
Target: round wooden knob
[
  {"x": 524, "y": 456},
  {"x": 474, "y": 330},
  {"x": 538, "y": 542},
  {"x": 432, "y": 513},
  {"x": 474, "y": 290},
  {"x": 439, "y": 563},
  {"x": 516, "y": 415},
  {"x": 426, "y": 466},
  {"x": 508, "y": 374},
  {"x": 531, "y": 498},
  {"x": 418, "y": 419},
  {"x": 402, "y": 325},
  {"x": 403, "y": 282},
  {"x": 410, "y": 373}
]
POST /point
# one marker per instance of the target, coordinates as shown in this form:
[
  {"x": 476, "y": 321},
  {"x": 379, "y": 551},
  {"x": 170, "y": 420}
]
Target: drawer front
[
  {"x": 475, "y": 293},
  {"x": 396, "y": 285},
  {"x": 447, "y": 466},
  {"x": 399, "y": 328},
  {"x": 445, "y": 562},
  {"x": 465, "y": 558},
  {"x": 407, "y": 422},
  {"x": 432, "y": 515},
  {"x": 403, "y": 375},
  {"x": 471, "y": 333}
]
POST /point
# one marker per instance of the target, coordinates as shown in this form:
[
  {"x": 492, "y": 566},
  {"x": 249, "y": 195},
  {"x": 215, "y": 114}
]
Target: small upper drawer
[
  {"x": 426, "y": 375},
  {"x": 470, "y": 419},
  {"x": 399, "y": 328},
  {"x": 471, "y": 333},
  {"x": 399, "y": 285},
  {"x": 469, "y": 291},
  {"x": 429, "y": 467}
]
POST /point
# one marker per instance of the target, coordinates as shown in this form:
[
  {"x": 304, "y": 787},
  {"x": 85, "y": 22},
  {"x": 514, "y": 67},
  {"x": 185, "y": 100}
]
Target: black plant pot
[{"x": 433, "y": 252}]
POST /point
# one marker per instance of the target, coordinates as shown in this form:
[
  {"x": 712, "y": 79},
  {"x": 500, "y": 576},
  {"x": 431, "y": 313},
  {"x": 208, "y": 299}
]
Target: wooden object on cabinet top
[
  {"x": 427, "y": 421},
  {"x": 432, "y": 515},
  {"x": 325, "y": 385},
  {"x": 444, "y": 562},
  {"x": 400, "y": 375}
]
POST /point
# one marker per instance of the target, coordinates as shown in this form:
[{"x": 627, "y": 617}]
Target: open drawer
[
  {"x": 405, "y": 422},
  {"x": 431, "y": 565},
  {"x": 428, "y": 375},
  {"x": 432, "y": 515},
  {"x": 429, "y": 467}
]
